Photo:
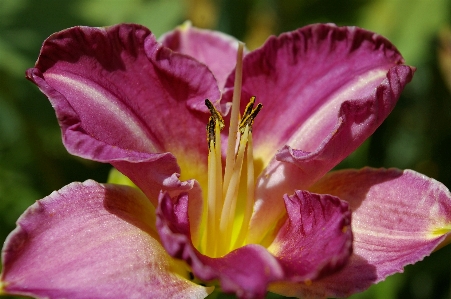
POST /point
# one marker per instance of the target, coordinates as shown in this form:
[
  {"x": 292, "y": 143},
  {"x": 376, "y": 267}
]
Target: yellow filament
[
  {"x": 222, "y": 216},
  {"x": 234, "y": 115},
  {"x": 218, "y": 196},
  {"x": 211, "y": 207},
  {"x": 250, "y": 190},
  {"x": 228, "y": 212},
  {"x": 214, "y": 189}
]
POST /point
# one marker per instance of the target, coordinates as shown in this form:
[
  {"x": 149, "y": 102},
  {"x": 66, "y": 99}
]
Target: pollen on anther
[
  {"x": 215, "y": 119},
  {"x": 249, "y": 115}
]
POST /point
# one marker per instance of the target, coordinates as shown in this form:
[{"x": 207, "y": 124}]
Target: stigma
[{"x": 230, "y": 198}]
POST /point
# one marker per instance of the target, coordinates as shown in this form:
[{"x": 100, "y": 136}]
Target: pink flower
[{"x": 251, "y": 209}]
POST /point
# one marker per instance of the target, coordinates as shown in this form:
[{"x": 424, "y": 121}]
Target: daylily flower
[{"x": 247, "y": 205}]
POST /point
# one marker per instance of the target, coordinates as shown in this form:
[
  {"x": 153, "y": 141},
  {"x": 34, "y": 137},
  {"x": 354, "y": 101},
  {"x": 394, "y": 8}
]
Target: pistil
[{"x": 234, "y": 115}]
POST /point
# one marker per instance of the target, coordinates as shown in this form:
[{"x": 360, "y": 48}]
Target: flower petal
[
  {"x": 121, "y": 97},
  {"x": 247, "y": 282},
  {"x": 356, "y": 120},
  {"x": 217, "y": 50},
  {"x": 316, "y": 239},
  {"x": 330, "y": 83},
  {"x": 399, "y": 217},
  {"x": 357, "y": 273},
  {"x": 335, "y": 85},
  {"x": 92, "y": 241},
  {"x": 277, "y": 179}
]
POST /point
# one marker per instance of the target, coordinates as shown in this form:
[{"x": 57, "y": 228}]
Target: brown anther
[
  {"x": 249, "y": 115},
  {"x": 214, "y": 119}
]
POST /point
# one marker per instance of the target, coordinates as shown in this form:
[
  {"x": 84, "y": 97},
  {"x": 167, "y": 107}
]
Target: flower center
[{"x": 226, "y": 228}]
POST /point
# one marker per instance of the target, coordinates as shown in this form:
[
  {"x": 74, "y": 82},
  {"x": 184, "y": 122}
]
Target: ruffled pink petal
[
  {"x": 269, "y": 209},
  {"x": 324, "y": 79},
  {"x": 399, "y": 217},
  {"x": 356, "y": 120},
  {"x": 217, "y": 50},
  {"x": 324, "y": 90},
  {"x": 92, "y": 241},
  {"x": 316, "y": 239},
  {"x": 250, "y": 281},
  {"x": 123, "y": 98},
  {"x": 357, "y": 271}
]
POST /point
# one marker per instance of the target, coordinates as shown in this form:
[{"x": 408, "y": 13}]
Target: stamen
[
  {"x": 221, "y": 217},
  {"x": 214, "y": 127}
]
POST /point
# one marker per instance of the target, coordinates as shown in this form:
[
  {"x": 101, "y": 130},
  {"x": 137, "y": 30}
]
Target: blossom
[{"x": 251, "y": 204}]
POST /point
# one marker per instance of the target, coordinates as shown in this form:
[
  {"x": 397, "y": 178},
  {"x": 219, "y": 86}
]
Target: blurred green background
[{"x": 417, "y": 135}]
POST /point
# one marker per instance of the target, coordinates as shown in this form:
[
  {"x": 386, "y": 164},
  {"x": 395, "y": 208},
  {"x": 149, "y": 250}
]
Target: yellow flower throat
[{"x": 227, "y": 229}]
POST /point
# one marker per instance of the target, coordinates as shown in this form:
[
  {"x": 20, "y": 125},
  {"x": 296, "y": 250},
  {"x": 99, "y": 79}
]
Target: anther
[
  {"x": 211, "y": 132},
  {"x": 249, "y": 115},
  {"x": 215, "y": 114},
  {"x": 215, "y": 119}
]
